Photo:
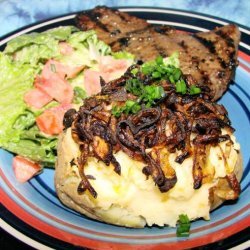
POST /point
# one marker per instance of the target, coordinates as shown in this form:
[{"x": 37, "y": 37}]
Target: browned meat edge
[{"x": 209, "y": 57}]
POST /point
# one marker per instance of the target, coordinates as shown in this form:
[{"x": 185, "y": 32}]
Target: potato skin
[
  {"x": 218, "y": 192},
  {"x": 67, "y": 180},
  {"x": 85, "y": 204}
]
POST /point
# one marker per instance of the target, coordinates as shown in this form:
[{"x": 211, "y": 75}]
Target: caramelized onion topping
[{"x": 185, "y": 124}]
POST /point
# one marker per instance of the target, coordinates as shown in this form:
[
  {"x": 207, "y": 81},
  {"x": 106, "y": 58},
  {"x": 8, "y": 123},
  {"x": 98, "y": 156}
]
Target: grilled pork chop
[{"x": 206, "y": 58}]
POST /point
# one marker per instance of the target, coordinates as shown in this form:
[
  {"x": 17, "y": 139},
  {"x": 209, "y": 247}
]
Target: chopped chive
[
  {"x": 181, "y": 87},
  {"x": 159, "y": 60},
  {"x": 53, "y": 67},
  {"x": 171, "y": 79},
  {"x": 193, "y": 90},
  {"x": 183, "y": 226},
  {"x": 156, "y": 74},
  {"x": 79, "y": 95},
  {"x": 134, "y": 71}
]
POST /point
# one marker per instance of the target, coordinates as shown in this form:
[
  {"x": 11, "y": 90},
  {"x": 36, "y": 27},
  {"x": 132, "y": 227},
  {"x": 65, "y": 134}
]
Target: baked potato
[
  {"x": 131, "y": 199},
  {"x": 141, "y": 152}
]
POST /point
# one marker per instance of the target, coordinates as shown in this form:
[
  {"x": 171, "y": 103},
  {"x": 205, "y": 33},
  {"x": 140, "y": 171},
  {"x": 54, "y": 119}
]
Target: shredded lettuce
[
  {"x": 18, "y": 132},
  {"x": 88, "y": 49},
  {"x": 15, "y": 81},
  {"x": 123, "y": 55},
  {"x": 22, "y": 59},
  {"x": 172, "y": 60},
  {"x": 84, "y": 40},
  {"x": 35, "y": 48}
]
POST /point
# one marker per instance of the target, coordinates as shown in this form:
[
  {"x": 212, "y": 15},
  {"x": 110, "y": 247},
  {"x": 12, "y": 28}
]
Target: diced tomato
[
  {"x": 51, "y": 120},
  {"x": 92, "y": 81},
  {"x": 53, "y": 67},
  {"x": 24, "y": 169},
  {"x": 72, "y": 72},
  {"x": 57, "y": 88},
  {"x": 65, "y": 48},
  {"x": 37, "y": 98},
  {"x": 109, "y": 64}
]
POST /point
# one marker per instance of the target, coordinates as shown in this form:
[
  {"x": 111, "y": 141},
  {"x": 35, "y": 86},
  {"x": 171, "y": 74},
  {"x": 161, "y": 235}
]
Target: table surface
[
  {"x": 18, "y": 13},
  {"x": 15, "y": 14}
]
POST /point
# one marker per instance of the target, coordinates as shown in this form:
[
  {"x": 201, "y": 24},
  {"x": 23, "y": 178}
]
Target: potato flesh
[{"x": 130, "y": 199}]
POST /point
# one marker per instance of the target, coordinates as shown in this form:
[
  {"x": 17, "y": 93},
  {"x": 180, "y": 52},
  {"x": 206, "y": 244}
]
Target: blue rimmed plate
[{"x": 36, "y": 211}]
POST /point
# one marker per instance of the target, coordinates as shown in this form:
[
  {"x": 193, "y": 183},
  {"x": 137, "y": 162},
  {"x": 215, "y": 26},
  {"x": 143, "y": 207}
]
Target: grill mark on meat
[
  {"x": 139, "y": 36},
  {"x": 124, "y": 41},
  {"x": 183, "y": 45},
  {"x": 95, "y": 17},
  {"x": 208, "y": 44},
  {"x": 230, "y": 43},
  {"x": 210, "y": 57},
  {"x": 115, "y": 32},
  {"x": 161, "y": 50},
  {"x": 123, "y": 16},
  {"x": 226, "y": 37},
  {"x": 164, "y": 29},
  {"x": 195, "y": 62},
  {"x": 211, "y": 47}
]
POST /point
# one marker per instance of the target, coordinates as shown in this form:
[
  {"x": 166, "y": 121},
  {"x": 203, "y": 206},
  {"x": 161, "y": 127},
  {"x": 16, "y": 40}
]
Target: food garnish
[
  {"x": 148, "y": 95},
  {"x": 183, "y": 226},
  {"x": 154, "y": 117}
]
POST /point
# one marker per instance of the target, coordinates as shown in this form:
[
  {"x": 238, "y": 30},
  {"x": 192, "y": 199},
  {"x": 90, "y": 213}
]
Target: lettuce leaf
[
  {"x": 83, "y": 40},
  {"x": 173, "y": 60},
  {"x": 123, "y": 55},
  {"x": 18, "y": 132},
  {"x": 22, "y": 59},
  {"x": 35, "y": 48},
  {"x": 87, "y": 47},
  {"x": 15, "y": 81}
]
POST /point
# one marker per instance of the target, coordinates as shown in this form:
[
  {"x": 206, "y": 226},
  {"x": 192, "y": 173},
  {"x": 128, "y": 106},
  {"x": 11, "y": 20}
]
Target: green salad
[{"x": 23, "y": 62}]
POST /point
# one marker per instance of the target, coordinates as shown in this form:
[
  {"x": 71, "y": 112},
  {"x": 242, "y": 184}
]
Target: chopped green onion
[
  {"x": 53, "y": 67},
  {"x": 134, "y": 86},
  {"x": 116, "y": 111},
  {"x": 183, "y": 226},
  {"x": 134, "y": 71},
  {"x": 181, "y": 87},
  {"x": 156, "y": 74},
  {"x": 171, "y": 79},
  {"x": 177, "y": 74},
  {"x": 152, "y": 93},
  {"x": 79, "y": 95},
  {"x": 193, "y": 90},
  {"x": 130, "y": 107},
  {"x": 148, "y": 95},
  {"x": 159, "y": 60}
]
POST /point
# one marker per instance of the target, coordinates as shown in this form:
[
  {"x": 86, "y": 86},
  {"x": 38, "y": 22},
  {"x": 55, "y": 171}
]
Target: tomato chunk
[
  {"x": 65, "y": 48},
  {"x": 37, "y": 98},
  {"x": 24, "y": 169},
  {"x": 53, "y": 67},
  {"x": 57, "y": 88},
  {"x": 51, "y": 120},
  {"x": 92, "y": 83},
  {"x": 109, "y": 64}
]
